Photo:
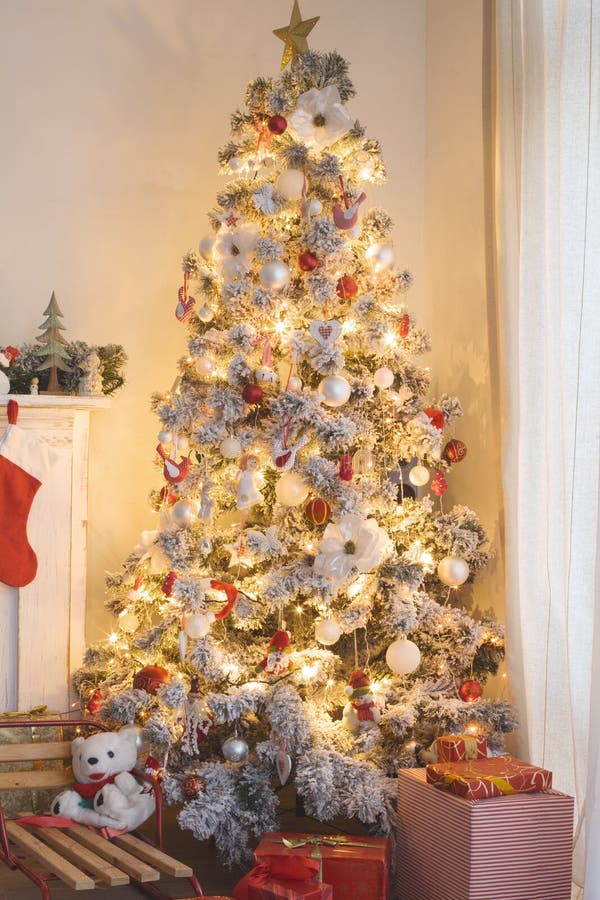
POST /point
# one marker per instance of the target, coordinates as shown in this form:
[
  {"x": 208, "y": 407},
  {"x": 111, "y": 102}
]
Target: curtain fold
[{"x": 547, "y": 229}]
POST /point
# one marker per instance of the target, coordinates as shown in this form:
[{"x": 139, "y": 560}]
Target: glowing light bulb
[
  {"x": 309, "y": 671},
  {"x": 113, "y": 637}
]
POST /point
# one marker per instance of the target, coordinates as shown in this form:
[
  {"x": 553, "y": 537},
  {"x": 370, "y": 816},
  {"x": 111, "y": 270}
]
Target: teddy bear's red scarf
[{"x": 89, "y": 791}]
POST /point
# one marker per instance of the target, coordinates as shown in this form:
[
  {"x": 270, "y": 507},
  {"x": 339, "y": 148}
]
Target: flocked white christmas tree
[{"x": 299, "y": 605}]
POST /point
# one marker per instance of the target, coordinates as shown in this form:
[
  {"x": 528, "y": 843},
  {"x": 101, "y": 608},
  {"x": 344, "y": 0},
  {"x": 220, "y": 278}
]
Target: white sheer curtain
[{"x": 547, "y": 203}]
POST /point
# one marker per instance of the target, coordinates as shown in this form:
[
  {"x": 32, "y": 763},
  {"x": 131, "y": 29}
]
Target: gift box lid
[{"x": 491, "y": 777}]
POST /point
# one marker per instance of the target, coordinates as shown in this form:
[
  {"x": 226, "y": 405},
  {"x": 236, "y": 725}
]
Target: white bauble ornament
[
  {"x": 291, "y": 490},
  {"x": 335, "y": 390},
  {"x": 314, "y": 207},
  {"x": 290, "y": 184},
  {"x": 128, "y": 622},
  {"x": 235, "y": 750},
  {"x": 235, "y": 163},
  {"x": 453, "y": 571},
  {"x": 205, "y": 545},
  {"x": 206, "y": 245},
  {"x": 294, "y": 383},
  {"x": 355, "y": 232},
  {"x": 205, "y": 314},
  {"x": 327, "y": 632},
  {"x": 197, "y": 625},
  {"x": 418, "y": 475},
  {"x": 363, "y": 461},
  {"x": 380, "y": 257},
  {"x": 383, "y": 377},
  {"x": 274, "y": 275},
  {"x": 181, "y": 444},
  {"x": 230, "y": 448},
  {"x": 165, "y": 436},
  {"x": 403, "y": 656},
  {"x": 184, "y": 512},
  {"x": 267, "y": 162},
  {"x": 205, "y": 366}
]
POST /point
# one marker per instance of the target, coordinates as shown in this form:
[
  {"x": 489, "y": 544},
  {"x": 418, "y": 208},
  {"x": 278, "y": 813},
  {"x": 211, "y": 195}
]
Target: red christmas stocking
[{"x": 24, "y": 460}]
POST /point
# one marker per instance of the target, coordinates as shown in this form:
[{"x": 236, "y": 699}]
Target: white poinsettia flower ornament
[
  {"x": 353, "y": 542},
  {"x": 319, "y": 118},
  {"x": 234, "y": 250}
]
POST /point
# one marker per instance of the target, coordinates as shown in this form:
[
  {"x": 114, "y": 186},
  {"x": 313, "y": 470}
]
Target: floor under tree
[{"x": 214, "y": 878}]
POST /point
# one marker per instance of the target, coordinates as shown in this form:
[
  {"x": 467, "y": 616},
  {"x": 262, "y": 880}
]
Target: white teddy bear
[{"x": 106, "y": 794}]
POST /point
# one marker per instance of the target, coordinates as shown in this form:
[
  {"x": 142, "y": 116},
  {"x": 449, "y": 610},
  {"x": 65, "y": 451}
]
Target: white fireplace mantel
[{"x": 42, "y": 625}]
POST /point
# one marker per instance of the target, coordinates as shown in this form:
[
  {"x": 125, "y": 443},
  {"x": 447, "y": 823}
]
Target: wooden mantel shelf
[
  {"x": 42, "y": 625},
  {"x": 54, "y": 401}
]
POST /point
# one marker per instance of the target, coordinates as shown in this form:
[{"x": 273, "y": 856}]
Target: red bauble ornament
[
  {"x": 439, "y": 485},
  {"x": 150, "y": 678},
  {"x": 95, "y": 702},
  {"x": 166, "y": 495},
  {"x": 277, "y": 124},
  {"x": 318, "y": 511},
  {"x": 436, "y": 416},
  {"x": 192, "y": 786},
  {"x": 455, "y": 451},
  {"x": 470, "y": 691},
  {"x": 252, "y": 394},
  {"x": 346, "y": 472},
  {"x": 169, "y": 583},
  {"x": 346, "y": 287},
  {"x": 308, "y": 261},
  {"x": 404, "y": 325}
]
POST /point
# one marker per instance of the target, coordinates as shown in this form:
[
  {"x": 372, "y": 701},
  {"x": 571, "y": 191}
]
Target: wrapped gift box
[
  {"x": 356, "y": 866},
  {"x": 478, "y": 779},
  {"x": 284, "y": 878},
  {"x": 460, "y": 747},
  {"x": 515, "y": 847}
]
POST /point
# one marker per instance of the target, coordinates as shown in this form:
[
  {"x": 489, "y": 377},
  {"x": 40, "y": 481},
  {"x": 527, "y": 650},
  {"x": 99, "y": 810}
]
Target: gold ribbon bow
[{"x": 31, "y": 714}]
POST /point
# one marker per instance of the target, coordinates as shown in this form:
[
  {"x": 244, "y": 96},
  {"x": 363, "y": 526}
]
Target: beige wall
[
  {"x": 459, "y": 310},
  {"x": 112, "y": 114}
]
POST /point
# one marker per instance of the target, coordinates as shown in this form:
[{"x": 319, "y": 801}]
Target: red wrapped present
[
  {"x": 492, "y": 777},
  {"x": 284, "y": 878},
  {"x": 460, "y": 747},
  {"x": 516, "y": 847},
  {"x": 356, "y": 866}
]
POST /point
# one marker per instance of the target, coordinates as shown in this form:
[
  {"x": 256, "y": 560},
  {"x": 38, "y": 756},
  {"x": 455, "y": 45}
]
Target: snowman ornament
[{"x": 361, "y": 712}]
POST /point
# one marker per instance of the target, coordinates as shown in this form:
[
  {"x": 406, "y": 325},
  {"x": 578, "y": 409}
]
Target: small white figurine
[
  {"x": 249, "y": 479},
  {"x": 34, "y": 386},
  {"x": 207, "y": 503},
  {"x": 90, "y": 383}
]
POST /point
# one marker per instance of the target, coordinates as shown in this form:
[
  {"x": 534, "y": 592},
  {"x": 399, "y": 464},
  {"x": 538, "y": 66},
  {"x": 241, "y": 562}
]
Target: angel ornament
[
  {"x": 207, "y": 503},
  {"x": 249, "y": 482}
]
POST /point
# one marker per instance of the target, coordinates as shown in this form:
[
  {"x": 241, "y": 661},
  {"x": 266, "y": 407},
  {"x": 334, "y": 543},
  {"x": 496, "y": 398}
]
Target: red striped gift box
[{"x": 517, "y": 847}]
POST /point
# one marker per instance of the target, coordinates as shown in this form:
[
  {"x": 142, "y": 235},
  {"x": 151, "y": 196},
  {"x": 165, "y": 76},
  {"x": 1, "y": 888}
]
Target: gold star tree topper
[{"x": 294, "y": 35}]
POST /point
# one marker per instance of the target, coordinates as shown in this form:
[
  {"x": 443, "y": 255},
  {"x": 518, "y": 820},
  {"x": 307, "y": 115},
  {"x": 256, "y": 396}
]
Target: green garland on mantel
[{"x": 25, "y": 367}]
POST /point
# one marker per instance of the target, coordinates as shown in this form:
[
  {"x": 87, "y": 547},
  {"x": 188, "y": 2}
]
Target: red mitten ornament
[{"x": 24, "y": 461}]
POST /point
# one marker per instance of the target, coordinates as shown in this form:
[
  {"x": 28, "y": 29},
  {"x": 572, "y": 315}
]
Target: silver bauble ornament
[
  {"x": 230, "y": 448},
  {"x": 205, "y": 366},
  {"x": 380, "y": 257},
  {"x": 205, "y": 314},
  {"x": 205, "y": 545},
  {"x": 453, "y": 571},
  {"x": 418, "y": 475},
  {"x": 274, "y": 275},
  {"x": 235, "y": 163},
  {"x": 314, "y": 207},
  {"x": 363, "y": 461},
  {"x": 290, "y": 184},
  {"x": 327, "y": 632},
  {"x": 403, "y": 656},
  {"x": 128, "y": 622},
  {"x": 291, "y": 490},
  {"x": 335, "y": 390},
  {"x": 235, "y": 750},
  {"x": 165, "y": 436},
  {"x": 140, "y": 737},
  {"x": 383, "y": 378},
  {"x": 206, "y": 246},
  {"x": 184, "y": 512}
]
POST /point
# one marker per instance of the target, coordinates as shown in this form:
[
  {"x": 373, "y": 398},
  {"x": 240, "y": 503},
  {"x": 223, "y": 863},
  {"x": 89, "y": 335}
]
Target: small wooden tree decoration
[{"x": 53, "y": 346}]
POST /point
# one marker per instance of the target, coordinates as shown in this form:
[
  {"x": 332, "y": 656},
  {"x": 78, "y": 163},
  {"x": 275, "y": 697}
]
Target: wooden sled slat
[
  {"x": 70, "y": 874},
  {"x": 153, "y": 856},
  {"x": 136, "y": 869},
  {"x": 82, "y": 856},
  {"x": 35, "y": 780},
  {"x": 35, "y": 752}
]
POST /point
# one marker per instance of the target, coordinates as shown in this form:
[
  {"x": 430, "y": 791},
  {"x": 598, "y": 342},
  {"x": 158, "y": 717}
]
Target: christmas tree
[
  {"x": 299, "y": 611},
  {"x": 53, "y": 345}
]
